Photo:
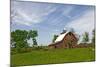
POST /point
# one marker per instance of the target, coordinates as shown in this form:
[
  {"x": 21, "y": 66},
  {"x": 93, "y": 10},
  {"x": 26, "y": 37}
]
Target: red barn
[{"x": 65, "y": 40}]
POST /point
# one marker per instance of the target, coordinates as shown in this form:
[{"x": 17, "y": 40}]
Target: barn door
[{"x": 69, "y": 45}]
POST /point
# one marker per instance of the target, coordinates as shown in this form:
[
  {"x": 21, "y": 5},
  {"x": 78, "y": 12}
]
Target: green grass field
[{"x": 53, "y": 56}]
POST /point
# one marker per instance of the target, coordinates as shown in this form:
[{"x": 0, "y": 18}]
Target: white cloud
[{"x": 84, "y": 23}]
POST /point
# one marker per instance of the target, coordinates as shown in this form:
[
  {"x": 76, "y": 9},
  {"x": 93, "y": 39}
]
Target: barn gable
[{"x": 60, "y": 37}]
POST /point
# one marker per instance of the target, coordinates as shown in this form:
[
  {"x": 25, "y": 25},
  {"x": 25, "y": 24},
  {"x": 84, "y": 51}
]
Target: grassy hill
[{"x": 53, "y": 56}]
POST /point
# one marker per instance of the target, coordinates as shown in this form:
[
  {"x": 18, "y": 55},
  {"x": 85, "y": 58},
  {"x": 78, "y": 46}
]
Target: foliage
[
  {"x": 33, "y": 34},
  {"x": 85, "y": 37},
  {"x": 54, "y": 38},
  {"x": 19, "y": 39},
  {"x": 93, "y": 38},
  {"x": 20, "y": 50}
]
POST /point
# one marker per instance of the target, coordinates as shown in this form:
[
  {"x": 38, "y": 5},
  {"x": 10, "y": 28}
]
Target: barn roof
[{"x": 60, "y": 37}]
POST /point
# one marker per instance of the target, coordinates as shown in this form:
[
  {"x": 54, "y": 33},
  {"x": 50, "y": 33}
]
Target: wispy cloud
[
  {"x": 67, "y": 10},
  {"x": 83, "y": 24},
  {"x": 35, "y": 14}
]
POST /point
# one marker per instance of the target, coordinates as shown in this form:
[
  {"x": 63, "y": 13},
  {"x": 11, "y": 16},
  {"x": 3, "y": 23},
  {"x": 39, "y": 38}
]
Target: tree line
[
  {"x": 84, "y": 39},
  {"x": 19, "y": 38}
]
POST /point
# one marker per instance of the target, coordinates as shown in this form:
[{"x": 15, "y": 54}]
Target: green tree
[
  {"x": 33, "y": 34},
  {"x": 93, "y": 38},
  {"x": 19, "y": 38},
  {"x": 34, "y": 41},
  {"x": 85, "y": 37},
  {"x": 54, "y": 38}
]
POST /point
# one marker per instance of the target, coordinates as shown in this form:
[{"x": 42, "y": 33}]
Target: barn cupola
[{"x": 64, "y": 31}]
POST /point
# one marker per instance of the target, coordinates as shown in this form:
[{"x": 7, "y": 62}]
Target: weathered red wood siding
[{"x": 69, "y": 41}]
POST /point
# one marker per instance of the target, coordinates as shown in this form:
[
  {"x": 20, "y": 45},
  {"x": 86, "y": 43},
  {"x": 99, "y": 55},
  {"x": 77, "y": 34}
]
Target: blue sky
[{"x": 51, "y": 18}]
